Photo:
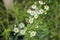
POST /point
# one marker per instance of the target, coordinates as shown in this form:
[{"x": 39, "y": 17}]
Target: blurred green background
[{"x": 50, "y": 23}]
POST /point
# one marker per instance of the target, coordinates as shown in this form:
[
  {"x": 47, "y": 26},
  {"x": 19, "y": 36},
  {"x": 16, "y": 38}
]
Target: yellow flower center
[
  {"x": 16, "y": 30},
  {"x": 30, "y": 20}
]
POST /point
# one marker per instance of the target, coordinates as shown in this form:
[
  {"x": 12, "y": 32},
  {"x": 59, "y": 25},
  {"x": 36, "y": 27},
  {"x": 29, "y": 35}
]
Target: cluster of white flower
[
  {"x": 23, "y": 31},
  {"x": 37, "y": 11},
  {"x": 17, "y": 30},
  {"x": 32, "y": 33},
  {"x": 34, "y": 11}
]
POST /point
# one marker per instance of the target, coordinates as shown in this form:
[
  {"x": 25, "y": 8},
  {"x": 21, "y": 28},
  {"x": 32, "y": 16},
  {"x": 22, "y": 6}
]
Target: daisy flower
[
  {"x": 32, "y": 13},
  {"x": 35, "y": 16},
  {"x": 30, "y": 20},
  {"x": 16, "y": 30},
  {"x": 32, "y": 34},
  {"x": 33, "y": 6},
  {"x": 29, "y": 11},
  {"x": 21, "y": 25},
  {"x": 46, "y": 7},
  {"x": 41, "y": 2},
  {"x": 41, "y": 11},
  {"x": 22, "y": 32}
]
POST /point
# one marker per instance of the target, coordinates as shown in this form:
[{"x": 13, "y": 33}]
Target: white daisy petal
[
  {"x": 32, "y": 13},
  {"x": 33, "y": 6},
  {"x": 41, "y": 11},
  {"x": 30, "y": 20},
  {"x": 29, "y": 11},
  {"x": 21, "y": 25},
  {"x": 16, "y": 30},
  {"x": 22, "y": 32},
  {"x": 46, "y": 7},
  {"x": 32, "y": 34}
]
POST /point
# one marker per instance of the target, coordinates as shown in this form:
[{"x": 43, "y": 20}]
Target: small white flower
[
  {"x": 41, "y": 11},
  {"x": 46, "y": 7},
  {"x": 32, "y": 34},
  {"x": 22, "y": 32},
  {"x": 30, "y": 20},
  {"x": 35, "y": 16},
  {"x": 41, "y": 2},
  {"x": 32, "y": 13},
  {"x": 29, "y": 11},
  {"x": 16, "y": 30},
  {"x": 21, "y": 25},
  {"x": 33, "y": 6}
]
